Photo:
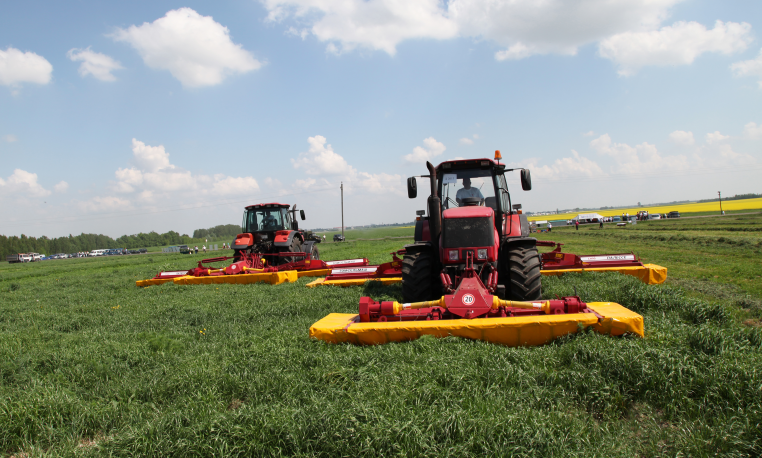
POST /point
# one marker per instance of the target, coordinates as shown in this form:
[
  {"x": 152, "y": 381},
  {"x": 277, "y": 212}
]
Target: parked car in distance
[
  {"x": 654, "y": 216},
  {"x": 673, "y": 214},
  {"x": 338, "y": 238}
]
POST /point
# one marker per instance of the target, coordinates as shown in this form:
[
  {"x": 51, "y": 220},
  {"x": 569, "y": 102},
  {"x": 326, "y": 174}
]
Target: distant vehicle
[
  {"x": 654, "y": 216},
  {"x": 97, "y": 253},
  {"x": 36, "y": 256},
  {"x": 20, "y": 257},
  {"x": 338, "y": 238},
  {"x": 142, "y": 250},
  {"x": 673, "y": 214},
  {"x": 184, "y": 249}
]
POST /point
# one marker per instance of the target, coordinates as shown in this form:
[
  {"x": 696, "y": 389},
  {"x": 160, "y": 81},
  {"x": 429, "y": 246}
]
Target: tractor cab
[{"x": 269, "y": 218}]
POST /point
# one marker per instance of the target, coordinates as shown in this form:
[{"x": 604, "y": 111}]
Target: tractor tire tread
[
  {"x": 524, "y": 272},
  {"x": 418, "y": 277}
]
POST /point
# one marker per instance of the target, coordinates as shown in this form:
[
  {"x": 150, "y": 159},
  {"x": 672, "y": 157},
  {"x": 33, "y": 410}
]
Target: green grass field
[{"x": 91, "y": 365}]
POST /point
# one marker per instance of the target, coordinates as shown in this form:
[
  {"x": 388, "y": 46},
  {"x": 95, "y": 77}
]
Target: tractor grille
[{"x": 467, "y": 232}]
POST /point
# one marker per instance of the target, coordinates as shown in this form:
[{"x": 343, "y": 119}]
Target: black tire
[
  {"x": 523, "y": 272},
  {"x": 296, "y": 247},
  {"x": 419, "y": 277},
  {"x": 315, "y": 253}
]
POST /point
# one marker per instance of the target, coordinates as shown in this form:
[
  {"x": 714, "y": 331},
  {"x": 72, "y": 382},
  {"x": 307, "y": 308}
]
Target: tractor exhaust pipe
[{"x": 435, "y": 208}]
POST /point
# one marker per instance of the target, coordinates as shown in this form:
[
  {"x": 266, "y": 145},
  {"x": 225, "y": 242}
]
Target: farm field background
[
  {"x": 91, "y": 365},
  {"x": 694, "y": 209}
]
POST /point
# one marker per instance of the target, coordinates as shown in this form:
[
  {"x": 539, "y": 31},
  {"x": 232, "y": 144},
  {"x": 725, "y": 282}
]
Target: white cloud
[
  {"x": 23, "y": 183},
  {"x": 23, "y": 67},
  {"x": 589, "y": 133},
  {"x": 629, "y": 32},
  {"x": 466, "y": 141},
  {"x": 61, "y": 187},
  {"x": 330, "y": 167},
  {"x": 643, "y": 158},
  {"x": 150, "y": 158},
  {"x": 154, "y": 174},
  {"x": 429, "y": 151},
  {"x": 752, "y": 67},
  {"x": 716, "y": 137},
  {"x": 566, "y": 167},
  {"x": 320, "y": 159},
  {"x": 94, "y": 63},
  {"x": 106, "y": 203},
  {"x": 678, "y": 44},
  {"x": 376, "y": 24},
  {"x": 195, "y": 49},
  {"x": 524, "y": 27},
  {"x": 752, "y": 131},
  {"x": 10, "y": 138},
  {"x": 682, "y": 137}
]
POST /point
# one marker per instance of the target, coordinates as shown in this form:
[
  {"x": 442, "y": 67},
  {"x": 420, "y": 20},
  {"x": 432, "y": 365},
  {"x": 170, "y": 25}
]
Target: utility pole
[
  {"x": 720, "y": 196},
  {"x": 342, "y": 209}
]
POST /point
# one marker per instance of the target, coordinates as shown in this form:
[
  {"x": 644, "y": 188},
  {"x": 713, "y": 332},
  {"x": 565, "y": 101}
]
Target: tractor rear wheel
[
  {"x": 524, "y": 272},
  {"x": 296, "y": 247},
  {"x": 419, "y": 279}
]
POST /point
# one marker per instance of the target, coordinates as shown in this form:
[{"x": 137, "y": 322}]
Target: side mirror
[
  {"x": 301, "y": 213},
  {"x": 526, "y": 180},
  {"x": 412, "y": 188}
]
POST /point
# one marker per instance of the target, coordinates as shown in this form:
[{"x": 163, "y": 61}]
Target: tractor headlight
[
  {"x": 482, "y": 254},
  {"x": 453, "y": 255}
]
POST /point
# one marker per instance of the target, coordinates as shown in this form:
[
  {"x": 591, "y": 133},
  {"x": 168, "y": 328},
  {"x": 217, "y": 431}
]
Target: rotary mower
[{"x": 473, "y": 272}]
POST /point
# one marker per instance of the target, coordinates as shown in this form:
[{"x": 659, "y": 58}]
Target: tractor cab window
[
  {"x": 264, "y": 219},
  {"x": 458, "y": 185}
]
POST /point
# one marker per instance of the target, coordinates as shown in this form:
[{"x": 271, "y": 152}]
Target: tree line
[{"x": 88, "y": 242}]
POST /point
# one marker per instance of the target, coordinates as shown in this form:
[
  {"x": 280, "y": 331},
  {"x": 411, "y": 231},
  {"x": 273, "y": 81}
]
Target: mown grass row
[{"x": 92, "y": 365}]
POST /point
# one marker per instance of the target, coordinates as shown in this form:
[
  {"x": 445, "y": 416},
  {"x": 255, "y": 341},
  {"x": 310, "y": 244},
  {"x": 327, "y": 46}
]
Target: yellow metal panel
[
  {"x": 353, "y": 282},
  {"x": 273, "y": 278},
  {"x": 518, "y": 331},
  {"x": 314, "y": 273},
  {"x": 157, "y": 281},
  {"x": 650, "y": 273},
  {"x": 617, "y": 319}
]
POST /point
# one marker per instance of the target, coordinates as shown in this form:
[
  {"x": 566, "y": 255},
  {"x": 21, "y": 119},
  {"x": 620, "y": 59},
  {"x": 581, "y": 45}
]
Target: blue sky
[{"x": 125, "y": 118}]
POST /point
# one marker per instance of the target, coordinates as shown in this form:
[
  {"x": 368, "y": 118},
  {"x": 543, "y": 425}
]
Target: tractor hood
[{"x": 468, "y": 212}]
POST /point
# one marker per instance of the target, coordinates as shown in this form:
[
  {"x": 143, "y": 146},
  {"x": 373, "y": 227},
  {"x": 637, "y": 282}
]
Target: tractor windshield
[
  {"x": 263, "y": 220},
  {"x": 457, "y": 185}
]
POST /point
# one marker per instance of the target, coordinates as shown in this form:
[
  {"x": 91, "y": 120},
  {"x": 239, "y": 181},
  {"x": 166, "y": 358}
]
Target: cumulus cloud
[
  {"x": 641, "y": 158},
  {"x": 377, "y": 24},
  {"x": 320, "y": 159},
  {"x": 61, "y": 187},
  {"x": 589, "y": 133},
  {"x": 523, "y": 27},
  {"x": 752, "y": 131},
  {"x": 716, "y": 137},
  {"x": 153, "y": 173},
  {"x": 23, "y": 183},
  {"x": 629, "y": 32},
  {"x": 678, "y": 44},
  {"x": 105, "y": 203},
  {"x": 195, "y": 49},
  {"x": 10, "y": 138},
  {"x": 23, "y": 67},
  {"x": 328, "y": 168},
  {"x": 574, "y": 166},
  {"x": 466, "y": 141},
  {"x": 94, "y": 63},
  {"x": 431, "y": 149},
  {"x": 752, "y": 67},
  {"x": 682, "y": 137}
]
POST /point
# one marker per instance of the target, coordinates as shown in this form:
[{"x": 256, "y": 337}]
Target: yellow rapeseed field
[{"x": 743, "y": 204}]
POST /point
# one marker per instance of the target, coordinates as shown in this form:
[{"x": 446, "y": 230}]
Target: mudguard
[{"x": 285, "y": 241}]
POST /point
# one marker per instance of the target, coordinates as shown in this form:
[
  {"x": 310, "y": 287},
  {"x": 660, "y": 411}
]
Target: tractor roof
[
  {"x": 468, "y": 163},
  {"x": 270, "y": 205}
]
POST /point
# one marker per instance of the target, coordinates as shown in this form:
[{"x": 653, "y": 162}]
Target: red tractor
[
  {"x": 471, "y": 229},
  {"x": 272, "y": 231}
]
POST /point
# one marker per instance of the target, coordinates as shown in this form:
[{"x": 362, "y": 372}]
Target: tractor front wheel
[
  {"x": 420, "y": 281},
  {"x": 524, "y": 272}
]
